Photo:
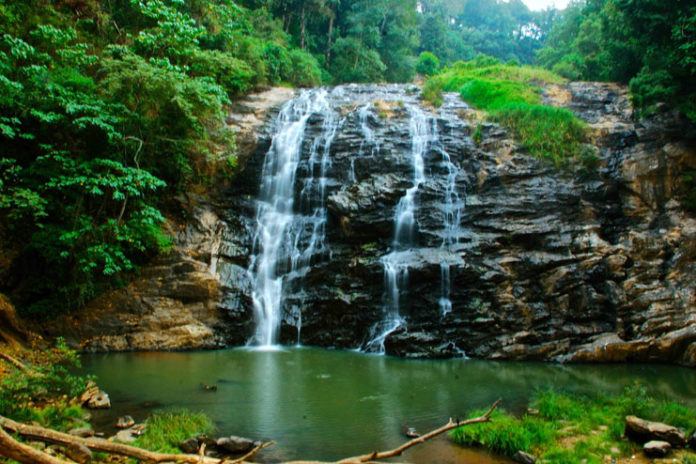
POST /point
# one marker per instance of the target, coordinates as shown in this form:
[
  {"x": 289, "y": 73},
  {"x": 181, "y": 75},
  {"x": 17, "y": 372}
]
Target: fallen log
[
  {"x": 12, "y": 449},
  {"x": 33, "y": 432}
]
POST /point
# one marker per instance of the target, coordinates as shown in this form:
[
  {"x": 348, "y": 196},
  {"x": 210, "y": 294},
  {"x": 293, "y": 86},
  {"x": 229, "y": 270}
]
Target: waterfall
[
  {"x": 422, "y": 133},
  {"x": 288, "y": 238},
  {"x": 452, "y": 212}
]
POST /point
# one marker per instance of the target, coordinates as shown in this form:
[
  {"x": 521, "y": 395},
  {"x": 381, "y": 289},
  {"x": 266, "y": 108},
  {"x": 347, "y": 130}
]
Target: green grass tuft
[
  {"x": 166, "y": 430},
  {"x": 512, "y": 97},
  {"x": 506, "y": 434}
]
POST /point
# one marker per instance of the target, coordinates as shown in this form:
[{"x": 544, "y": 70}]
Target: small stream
[{"x": 320, "y": 404}]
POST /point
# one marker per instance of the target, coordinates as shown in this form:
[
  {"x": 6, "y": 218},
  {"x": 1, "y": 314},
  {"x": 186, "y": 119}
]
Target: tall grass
[
  {"x": 166, "y": 430},
  {"x": 571, "y": 428},
  {"x": 512, "y": 97}
]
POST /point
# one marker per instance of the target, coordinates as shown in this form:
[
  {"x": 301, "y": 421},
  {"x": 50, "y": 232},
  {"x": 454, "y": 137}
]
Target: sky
[{"x": 541, "y": 4}]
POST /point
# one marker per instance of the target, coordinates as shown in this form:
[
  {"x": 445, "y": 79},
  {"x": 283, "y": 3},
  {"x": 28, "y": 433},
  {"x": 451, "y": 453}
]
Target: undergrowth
[
  {"x": 44, "y": 392},
  {"x": 166, "y": 430},
  {"x": 572, "y": 428},
  {"x": 511, "y": 95}
]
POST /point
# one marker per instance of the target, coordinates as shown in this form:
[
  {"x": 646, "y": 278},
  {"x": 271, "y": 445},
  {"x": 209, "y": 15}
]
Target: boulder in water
[
  {"x": 125, "y": 422},
  {"x": 235, "y": 445}
]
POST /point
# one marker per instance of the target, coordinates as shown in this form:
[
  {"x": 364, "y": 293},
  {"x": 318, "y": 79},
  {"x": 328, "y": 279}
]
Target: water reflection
[{"x": 326, "y": 404}]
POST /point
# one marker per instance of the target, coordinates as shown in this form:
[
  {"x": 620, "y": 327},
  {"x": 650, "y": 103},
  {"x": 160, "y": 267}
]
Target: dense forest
[{"x": 108, "y": 108}]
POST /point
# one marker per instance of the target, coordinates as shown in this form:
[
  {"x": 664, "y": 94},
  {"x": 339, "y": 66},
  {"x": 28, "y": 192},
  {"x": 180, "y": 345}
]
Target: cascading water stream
[
  {"x": 422, "y": 132},
  {"x": 452, "y": 212},
  {"x": 288, "y": 238}
]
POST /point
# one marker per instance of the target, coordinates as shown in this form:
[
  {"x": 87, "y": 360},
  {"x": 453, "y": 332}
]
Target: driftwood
[
  {"x": 397, "y": 451},
  {"x": 24, "y": 454}
]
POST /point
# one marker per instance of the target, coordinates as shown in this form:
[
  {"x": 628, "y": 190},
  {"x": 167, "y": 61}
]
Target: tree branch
[{"x": 397, "y": 451}]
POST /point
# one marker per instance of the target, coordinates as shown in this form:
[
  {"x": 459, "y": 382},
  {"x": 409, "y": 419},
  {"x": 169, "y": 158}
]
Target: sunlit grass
[{"x": 511, "y": 95}]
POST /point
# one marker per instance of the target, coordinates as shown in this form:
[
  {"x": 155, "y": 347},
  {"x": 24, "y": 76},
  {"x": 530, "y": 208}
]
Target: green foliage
[
  {"x": 107, "y": 113},
  {"x": 648, "y": 43},
  {"x": 506, "y": 434},
  {"x": 511, "y": 96},
  {"x": 42, "y": 392},
  {"x": 570, "y": 428},
  {"x": 354, "y": 63},
  {"x": 428, "y": 64},
  {"x": 165, "y": 430}
]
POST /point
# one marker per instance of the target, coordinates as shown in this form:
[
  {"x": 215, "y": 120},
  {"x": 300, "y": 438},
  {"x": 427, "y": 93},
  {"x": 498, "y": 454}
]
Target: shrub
[
  {"x": 428, "y": 64},
  {"x": 165, "y": 430},
  {"x": 304, "y": 71}
]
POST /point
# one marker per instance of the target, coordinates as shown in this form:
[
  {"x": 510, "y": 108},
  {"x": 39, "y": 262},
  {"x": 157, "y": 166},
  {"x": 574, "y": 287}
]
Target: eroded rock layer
[{"x": 542, "y": 263}]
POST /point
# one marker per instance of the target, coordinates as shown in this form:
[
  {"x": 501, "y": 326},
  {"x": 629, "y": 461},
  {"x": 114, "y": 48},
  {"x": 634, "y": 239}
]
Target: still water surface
[{"x": 319, "y": 404}]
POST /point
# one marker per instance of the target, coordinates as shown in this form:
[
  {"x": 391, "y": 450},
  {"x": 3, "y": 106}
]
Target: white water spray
[{"x": 288, "y": 238}]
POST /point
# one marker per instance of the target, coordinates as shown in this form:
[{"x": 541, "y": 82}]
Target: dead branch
[
  {"x": 374, "y": 456},
  {"x": 12, "y": 449},
  {"x": 19, "y": 365},
  {"x": 51, "y": 436}
]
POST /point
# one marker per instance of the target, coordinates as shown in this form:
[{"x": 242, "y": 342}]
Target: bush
[
  {"x": 278, "y": 62},
  {"x": 165, "y": 430},
  {"x": 505, "y": 434},
  {"x": 304, "y": 70},
  {"x": 233, "y": 74},
  {"x": 428, "y": 64}
]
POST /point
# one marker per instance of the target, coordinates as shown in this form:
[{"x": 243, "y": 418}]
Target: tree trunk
[
  {"x": 328, "y": 42},
  {"x": 303, "y": 31}
]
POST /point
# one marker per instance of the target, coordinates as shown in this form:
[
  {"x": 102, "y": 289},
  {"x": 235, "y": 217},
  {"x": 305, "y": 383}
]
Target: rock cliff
[{"x": 542, "y": 264}]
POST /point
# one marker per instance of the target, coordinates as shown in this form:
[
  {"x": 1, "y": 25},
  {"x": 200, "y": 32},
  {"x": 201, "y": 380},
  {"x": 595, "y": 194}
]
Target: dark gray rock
[
  {"x": 523, "y": 458},
  {"x": 657, "y": 449},
  {"x": 190, "y": 446},
  {"x": 691, "y": 441},
  {"x": 235, "y": 445},
  {"x": 641, "y": 431}
]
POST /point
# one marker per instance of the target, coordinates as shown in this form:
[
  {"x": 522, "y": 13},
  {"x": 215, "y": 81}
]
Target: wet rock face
[
  {"x": 545, "y": 265},
  {"x": 542, "y": 264}
]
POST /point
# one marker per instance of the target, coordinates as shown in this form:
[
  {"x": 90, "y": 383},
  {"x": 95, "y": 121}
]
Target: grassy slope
[{"x": 511, "y": 95}]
